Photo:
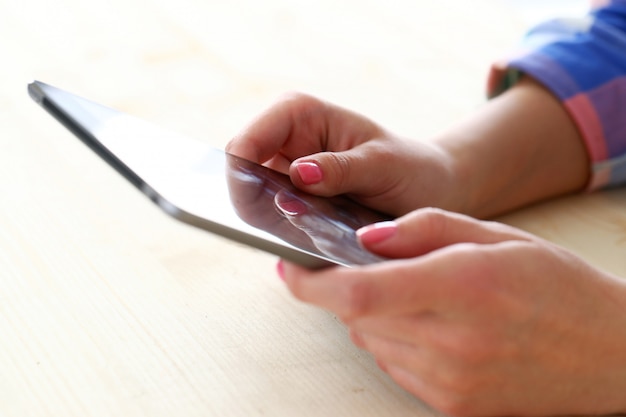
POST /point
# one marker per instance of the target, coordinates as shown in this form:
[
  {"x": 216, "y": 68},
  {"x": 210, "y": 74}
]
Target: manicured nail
[
  {"x": 310, "y": 172},
  {"x": 280, "y": 269},
  {"x": 377, "y": 232}
]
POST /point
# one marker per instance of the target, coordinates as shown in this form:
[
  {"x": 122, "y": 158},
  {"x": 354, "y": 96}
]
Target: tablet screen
[{"x": 208, "y": 188}]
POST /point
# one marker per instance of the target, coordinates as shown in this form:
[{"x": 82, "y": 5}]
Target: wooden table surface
[{"x": 110, "y": 308}]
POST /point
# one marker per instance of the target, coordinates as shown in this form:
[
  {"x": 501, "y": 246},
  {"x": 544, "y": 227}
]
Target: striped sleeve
[{"x": 583, "y": 62}]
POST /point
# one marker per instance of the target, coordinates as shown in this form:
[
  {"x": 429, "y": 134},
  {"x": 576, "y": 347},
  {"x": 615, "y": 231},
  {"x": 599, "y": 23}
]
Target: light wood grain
[{"x": 107, "y": 306}]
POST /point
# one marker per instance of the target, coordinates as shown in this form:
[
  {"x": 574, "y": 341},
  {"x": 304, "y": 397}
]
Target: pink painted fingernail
[
  {"x": 377, "y": 232},
  {"x": 280, "y": 269},
  {"x": 310, "y": 172}
]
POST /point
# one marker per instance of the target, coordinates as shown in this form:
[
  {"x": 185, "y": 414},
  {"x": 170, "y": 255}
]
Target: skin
[
  {"x": 477, "y": 318},
  {"x": 473, "y": 317},
  {"x": 524, "y": 136}
]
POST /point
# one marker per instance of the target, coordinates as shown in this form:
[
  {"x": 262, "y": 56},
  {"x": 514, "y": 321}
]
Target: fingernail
[
  {"x": 310, "y": 172},
  {"x": 280, "y": 269},
  {"x": 377, "y": 232}
]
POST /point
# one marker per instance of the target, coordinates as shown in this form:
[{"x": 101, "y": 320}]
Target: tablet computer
[{"x": 208, "y": 188}]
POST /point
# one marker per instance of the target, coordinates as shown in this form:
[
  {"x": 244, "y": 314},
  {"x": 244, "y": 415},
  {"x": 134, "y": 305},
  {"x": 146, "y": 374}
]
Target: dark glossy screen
[{"x": 208, "y": 188}]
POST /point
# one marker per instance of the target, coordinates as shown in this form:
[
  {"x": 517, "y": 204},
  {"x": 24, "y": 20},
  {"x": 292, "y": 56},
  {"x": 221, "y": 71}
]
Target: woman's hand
[
  {"x": 328, "y": 150},
  {"x": 477, "y": 318},
  {"x": 519, "y": 148}
]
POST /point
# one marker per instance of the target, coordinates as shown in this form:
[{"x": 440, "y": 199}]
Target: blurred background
[
  {"x": 533, "y": 11},
  {"x": 207, "y": 67}
]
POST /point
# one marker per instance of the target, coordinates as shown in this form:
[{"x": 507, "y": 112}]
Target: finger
[
  {"x": 350, "y": 172},
  {"x": 433, "y": 282},
  {"x": 348, "y": 292},
  {"x": 422, "y": 387},
  {"x": 462, "y": 280},
  {"x": 340, "y": 172},
  {"x": 297, "y": 125},
  {"x": 431, "y": 338},
  {"x": 425, "y": 375},
  {"x": 394, "y": 353},
  {"x": 425, "y": 230},
  {"x": 408, "y": 365},
  {"x": 416, "y": 328},
  {"x": 264, "y": 137},
  {"x": 449, "y": 342},
  {"x": 292, "y": 116}
]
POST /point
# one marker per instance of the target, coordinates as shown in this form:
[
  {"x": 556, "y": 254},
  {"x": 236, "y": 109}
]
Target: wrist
[
  {"x": 519, "y": 148},
  {"x": 469, "y": 179}
]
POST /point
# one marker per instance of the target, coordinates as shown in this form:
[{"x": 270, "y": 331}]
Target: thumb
[
  {"x": 332, "y": 173},
  {"x": 429, "y": 229}
]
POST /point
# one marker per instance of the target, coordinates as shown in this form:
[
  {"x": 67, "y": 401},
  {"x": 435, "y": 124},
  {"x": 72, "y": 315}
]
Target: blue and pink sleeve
[{"x": 583, "y": 63}]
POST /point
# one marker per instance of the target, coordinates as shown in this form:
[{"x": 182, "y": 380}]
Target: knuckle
[
  {"x": 460, "y": 384},
  {"x": 358, "y": 296},
  {"x": 301, "y": 104},
  {"x": 297, "y": 289},
  {"x": 433, "y": 220},
  {"x": 454, "y": 406},
  {"x": 295, "y": 97},
  {"x": 433, "y": 213},
  {"x": 340, "y": 170},
  {"x": 469, "y": 351},
  {"x": 458, "y": 397}
]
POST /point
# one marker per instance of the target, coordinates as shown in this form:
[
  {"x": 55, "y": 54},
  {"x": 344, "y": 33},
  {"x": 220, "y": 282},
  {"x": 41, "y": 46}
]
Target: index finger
[
  {"x": 268, "y": 139},
  {"x": 264, "y": 137},
  {"x": 396, "y": 287}
]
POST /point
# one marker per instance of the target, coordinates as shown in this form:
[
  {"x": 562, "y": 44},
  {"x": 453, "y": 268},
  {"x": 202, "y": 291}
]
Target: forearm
[{"x": 520, "y": 148}]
